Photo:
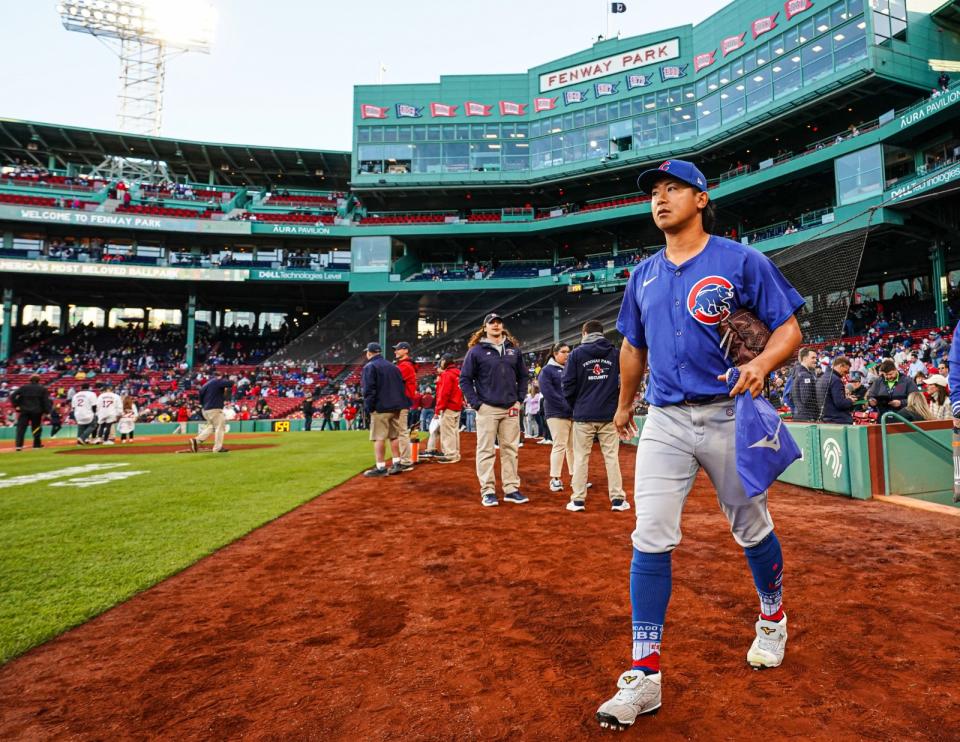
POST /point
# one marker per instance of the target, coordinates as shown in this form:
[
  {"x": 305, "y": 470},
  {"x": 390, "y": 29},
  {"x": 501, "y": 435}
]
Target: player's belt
[{"x": 699, "y": 401}]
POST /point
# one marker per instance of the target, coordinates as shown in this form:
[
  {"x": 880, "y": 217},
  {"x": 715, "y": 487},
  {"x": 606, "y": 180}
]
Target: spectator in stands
[
  {"x": 939, "y": 399},
  {"x": 832, "y": 399},
  {"x": 857, "y": 391},
  {"x": 409, "y": 373},
  {"x": 916, "y": 367},
  {"x": 31, "y": 402},
  {"x": 383, "y": 400},
  {"x": 943, "y": 82},
  {"x": 917, "y": 408},
  {"x": 889, "y": 392},
  {"x": 801, "y": 394}
]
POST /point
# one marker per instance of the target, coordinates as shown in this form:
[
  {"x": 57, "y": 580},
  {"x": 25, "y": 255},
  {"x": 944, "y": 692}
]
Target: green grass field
[{"x": 69, "y": 553}]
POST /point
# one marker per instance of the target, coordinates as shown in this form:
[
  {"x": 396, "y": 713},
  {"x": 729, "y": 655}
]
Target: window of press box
[
  {"x": 859, "y": 175},
  {"x": 889, "y": 20}
]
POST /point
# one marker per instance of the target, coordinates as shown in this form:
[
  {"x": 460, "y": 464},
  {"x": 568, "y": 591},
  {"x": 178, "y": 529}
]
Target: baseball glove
[{"x": 742, "y": 336}]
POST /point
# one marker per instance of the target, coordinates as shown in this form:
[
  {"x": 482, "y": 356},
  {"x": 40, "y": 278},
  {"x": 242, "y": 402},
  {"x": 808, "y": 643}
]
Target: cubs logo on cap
[{"x": 682, "y": 170}]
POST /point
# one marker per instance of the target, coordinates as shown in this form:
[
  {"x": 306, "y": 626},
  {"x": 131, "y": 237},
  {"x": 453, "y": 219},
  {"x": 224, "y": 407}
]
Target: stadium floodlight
[{"x": 148, "y": 33}]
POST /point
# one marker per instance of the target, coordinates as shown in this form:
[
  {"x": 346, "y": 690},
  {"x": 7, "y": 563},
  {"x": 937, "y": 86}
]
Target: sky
[{"x": 282, "y": 72}]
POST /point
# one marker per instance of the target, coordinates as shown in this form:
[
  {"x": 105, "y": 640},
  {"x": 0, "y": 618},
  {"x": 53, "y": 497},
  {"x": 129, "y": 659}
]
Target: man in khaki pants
[
  {"x": 449, "y": 403},
  {"x": 591, "y": 384},
  {"x": 409, "y": 373},
  {"x": 211, "y": 399},
  {"x": 494, "y": 380}
]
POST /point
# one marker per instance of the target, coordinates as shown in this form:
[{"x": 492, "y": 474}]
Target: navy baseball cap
[
  {"x": 448, "y": 357},
  {"x": 679, "y": 169},
  {"x": 374, "y": 348},
  {"x": 402, "y": 345},
  {"x": 491, "y": 317}
]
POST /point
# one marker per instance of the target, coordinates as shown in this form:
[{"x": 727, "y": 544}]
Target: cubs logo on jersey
[{"x": 711, "y": 299}]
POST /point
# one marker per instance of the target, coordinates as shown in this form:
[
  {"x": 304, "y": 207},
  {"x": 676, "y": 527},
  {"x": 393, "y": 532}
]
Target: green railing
[{"x": 886, "y": 455}]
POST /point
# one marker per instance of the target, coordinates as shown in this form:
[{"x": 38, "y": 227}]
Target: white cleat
[
  {"x": 639, "y": 694},
  {"x": 771, "y": 642}
]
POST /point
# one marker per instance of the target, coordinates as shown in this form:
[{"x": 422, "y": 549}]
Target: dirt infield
[
  {"x": 401, "y": 609},
  {"x": 139, "y": 449}
]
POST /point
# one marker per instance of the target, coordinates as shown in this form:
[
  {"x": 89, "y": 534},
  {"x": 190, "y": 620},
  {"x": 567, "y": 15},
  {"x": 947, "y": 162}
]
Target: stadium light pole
[{"x": 147, "y": 33}]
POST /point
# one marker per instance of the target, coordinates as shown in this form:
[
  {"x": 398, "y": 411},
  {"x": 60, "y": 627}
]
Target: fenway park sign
[{"x": 597, "y": 68}]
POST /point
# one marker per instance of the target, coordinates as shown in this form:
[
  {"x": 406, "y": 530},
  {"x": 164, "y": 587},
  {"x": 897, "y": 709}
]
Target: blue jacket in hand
[
  {"x": 493, "y": 375},
  {"x": 591, "y": 380},
  {"x": 383, "y": 389}
]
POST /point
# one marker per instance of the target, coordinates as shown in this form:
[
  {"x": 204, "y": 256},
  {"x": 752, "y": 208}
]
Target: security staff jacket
[
  {"x": 803, "y": 393},
  {"x": 591, "y": 380}
]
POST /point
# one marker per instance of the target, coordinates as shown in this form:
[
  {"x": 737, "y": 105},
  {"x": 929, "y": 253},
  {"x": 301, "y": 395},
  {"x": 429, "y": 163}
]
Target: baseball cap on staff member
[
  {"x": 374, "y": 348},
  {"x": 681, "y": 170},
  {"x": 402, "y": 345},
  {"x": 493, "y": 316}
]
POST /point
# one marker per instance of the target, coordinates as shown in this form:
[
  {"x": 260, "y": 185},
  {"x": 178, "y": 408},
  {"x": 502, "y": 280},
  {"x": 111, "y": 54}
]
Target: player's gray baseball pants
[{"x": 675, "y": 442}]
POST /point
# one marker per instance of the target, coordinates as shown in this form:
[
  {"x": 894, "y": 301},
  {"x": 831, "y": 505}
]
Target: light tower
[{"x": 144, "y": 34}]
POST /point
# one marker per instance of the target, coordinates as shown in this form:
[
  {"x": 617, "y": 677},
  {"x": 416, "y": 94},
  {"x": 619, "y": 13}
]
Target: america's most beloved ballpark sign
[
  {"x": 117, "y": 270},
  {"x": 597, "y": 68}
]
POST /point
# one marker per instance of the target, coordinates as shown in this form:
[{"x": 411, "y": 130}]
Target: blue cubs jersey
[{"x": 674, "y": 311}]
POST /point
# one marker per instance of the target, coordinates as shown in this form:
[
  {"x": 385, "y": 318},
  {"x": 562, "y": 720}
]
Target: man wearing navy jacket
[
  {"x": 493, "y": 378},
  {"x": 383, "y": 400},
  {"x": 832, "y": 394},
  {"x": 558, "y": 413},
  {"x": 591, "y": 385}
]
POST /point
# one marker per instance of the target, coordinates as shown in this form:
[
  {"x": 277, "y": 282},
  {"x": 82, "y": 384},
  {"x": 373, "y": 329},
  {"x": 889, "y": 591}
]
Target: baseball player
[
  {"x": 954, "y": 381},
  {"x": 109, "y": 409},
  {"x": 84, "y": 404},
  {"x": 558, "y": 413},
  {"x": 409, "y": 373},
  {"x": 591, "y": 383},
  {"x": 669, "y": 317},
  {"x": 493, "y": 379}
]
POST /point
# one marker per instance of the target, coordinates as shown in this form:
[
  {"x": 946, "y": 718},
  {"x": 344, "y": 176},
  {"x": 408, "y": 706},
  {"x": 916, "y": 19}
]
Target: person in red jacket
[
  {"x": 183, "y": 415},
  {"x": 449, "y": 404},
  {"x": 409, "y": 373}
]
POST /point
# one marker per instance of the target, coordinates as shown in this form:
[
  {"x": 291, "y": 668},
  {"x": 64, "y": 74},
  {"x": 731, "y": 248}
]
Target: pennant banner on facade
[
  {"x": 704, "y": 60},
  {"x": 762, "y": 25},
  {"x": 796, "y": 7},
  {"x": 639, "y": 81},
  {"x": 544, "y": 104},
  {"x": 406, "y": 111},
  {"x": 672, "y": 72},
  {"x": 472, "y": 108},
  {"x": 372, "y": 112},
  {"x": 601, "y": 89},
  {"x": 575, "y": 96},
  {"x": 732, "y": 43},
  {"x": 442, "y": 109},
  {"x": 509, "y": 108}
]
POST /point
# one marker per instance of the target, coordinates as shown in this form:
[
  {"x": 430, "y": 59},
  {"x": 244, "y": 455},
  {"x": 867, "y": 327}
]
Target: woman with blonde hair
[
  {"x": 917, "y": 408},
  {"x": 128, "y": 420}
]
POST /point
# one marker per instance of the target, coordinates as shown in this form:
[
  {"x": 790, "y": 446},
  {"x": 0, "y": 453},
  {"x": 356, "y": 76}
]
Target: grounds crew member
[
  {"x": 409, "y": 373},
  {"x": 32, "y": 402},
  {"x": 889, "y": 392},
  {"x": 591, "y": 385},
  {"x": 212, "y": 396},
  {"x": 493, "y": 379},
  {"x": 84, "y": 404},
  {"x": 449, "y": 402},
  {"x": 559, "y": 414},
  {"x": 803, "y": 390},
  {"x": 383, "y": 401}
]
